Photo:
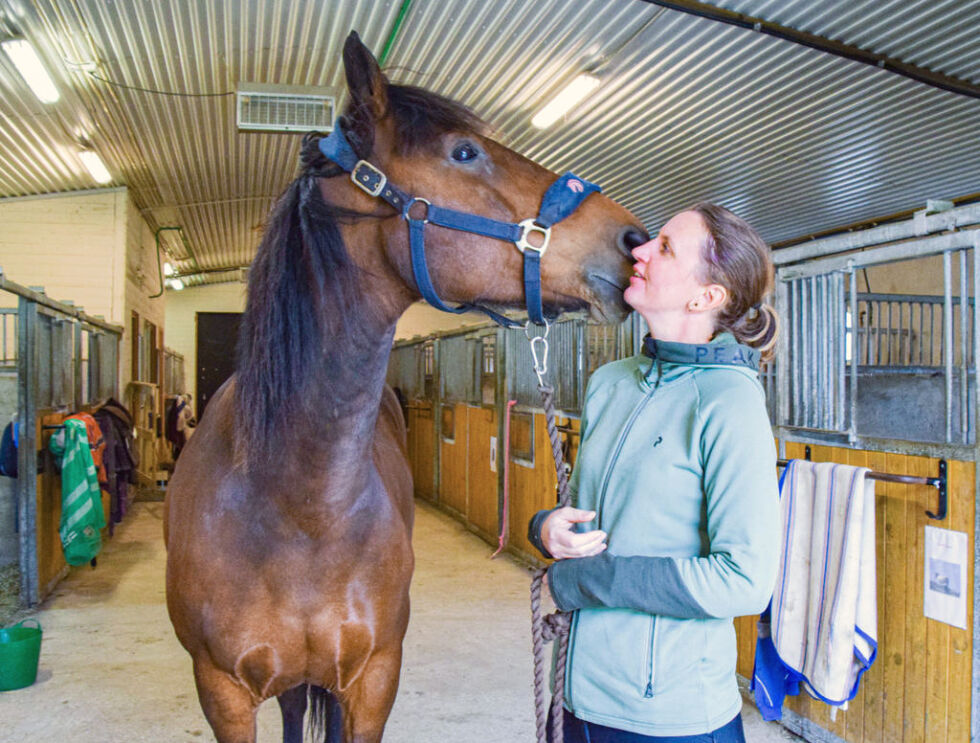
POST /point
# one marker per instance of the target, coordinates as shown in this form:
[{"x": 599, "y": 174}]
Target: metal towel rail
[{"x": 938, "y": 482}]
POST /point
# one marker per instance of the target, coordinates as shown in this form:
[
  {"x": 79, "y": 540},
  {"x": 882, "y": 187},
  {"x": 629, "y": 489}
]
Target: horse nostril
[{"x": 629, "y": 238}]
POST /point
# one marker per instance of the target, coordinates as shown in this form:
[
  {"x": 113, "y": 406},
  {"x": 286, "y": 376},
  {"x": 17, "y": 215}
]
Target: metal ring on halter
[
  {"x": 408, "y": 208},
  {"x": 527, "y": 227},
  {"x": 528, "y": 325}
]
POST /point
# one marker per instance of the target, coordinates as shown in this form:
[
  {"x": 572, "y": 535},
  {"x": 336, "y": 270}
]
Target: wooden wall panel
[
  {"x": 453, "y": 483},
  {"x": 960, "y": 643},
  {"x": 481, "y": 510}
]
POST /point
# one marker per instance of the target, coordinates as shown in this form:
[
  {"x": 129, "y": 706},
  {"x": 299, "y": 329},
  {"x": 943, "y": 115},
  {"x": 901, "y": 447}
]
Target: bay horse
[{"x": 289, "y": 516}]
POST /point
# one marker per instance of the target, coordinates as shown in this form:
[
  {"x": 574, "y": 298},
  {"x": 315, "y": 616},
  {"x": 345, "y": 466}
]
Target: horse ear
[{"x": 367, "y": 85}]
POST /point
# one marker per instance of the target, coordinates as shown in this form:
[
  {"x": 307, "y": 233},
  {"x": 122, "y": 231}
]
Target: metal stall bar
[
  {"x": 841, "y": 303},
  {"x": 27, "y": 367},
  {"x": 975, "y": 670},
  {"x": 796, "y": 320},
  {"x": 782, "y": 353},
  {"x": 964, "y": 359},
  {"x": 958, "y": 217},
  {"x": 806, "y": 326},
  {"x": 852, "y": 424},
  {"x": 948, "y": 343}
]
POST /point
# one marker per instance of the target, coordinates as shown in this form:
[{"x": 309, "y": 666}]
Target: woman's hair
[{"x": 737, "y": 258}]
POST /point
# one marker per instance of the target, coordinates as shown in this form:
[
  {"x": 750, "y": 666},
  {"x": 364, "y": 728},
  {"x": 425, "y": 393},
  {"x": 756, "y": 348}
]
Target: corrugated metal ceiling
[{"x": 795, "y": 140}]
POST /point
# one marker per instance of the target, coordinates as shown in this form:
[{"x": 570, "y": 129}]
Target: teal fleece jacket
[{"x": 677, "y": 459}]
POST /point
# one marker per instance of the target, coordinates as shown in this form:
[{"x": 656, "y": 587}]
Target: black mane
[{"x": 305, "y": 302}]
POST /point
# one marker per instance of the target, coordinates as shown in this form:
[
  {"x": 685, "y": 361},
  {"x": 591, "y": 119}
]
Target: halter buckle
[
  {"x": 527, "y": 227},
  {"x": 368, "y": 178}
]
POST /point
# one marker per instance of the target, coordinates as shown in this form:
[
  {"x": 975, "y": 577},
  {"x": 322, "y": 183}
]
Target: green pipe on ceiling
[{"x": 386, "y": 50}]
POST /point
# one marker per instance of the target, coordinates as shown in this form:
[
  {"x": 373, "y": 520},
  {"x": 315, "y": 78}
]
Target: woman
[{"x": 676, "y": 528}]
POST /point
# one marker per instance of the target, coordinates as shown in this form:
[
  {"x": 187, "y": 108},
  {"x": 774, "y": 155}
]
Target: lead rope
[{"x": 554, "y": 626}]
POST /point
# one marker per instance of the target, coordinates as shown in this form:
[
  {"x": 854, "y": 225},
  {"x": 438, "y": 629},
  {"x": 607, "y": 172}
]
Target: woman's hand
[{"x": 561, "y": 541}]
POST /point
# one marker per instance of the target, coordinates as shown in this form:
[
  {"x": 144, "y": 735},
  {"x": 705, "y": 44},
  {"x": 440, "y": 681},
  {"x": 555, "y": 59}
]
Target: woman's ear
[{"x": 711, "y": 297}]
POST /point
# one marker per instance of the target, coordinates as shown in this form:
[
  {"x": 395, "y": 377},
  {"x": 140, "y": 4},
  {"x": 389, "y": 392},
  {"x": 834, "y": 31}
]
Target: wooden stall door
[
  {"x": 532, "y": 489},
  {"x": 453, "y": 441},
  {"x": 481, "y": 510},
  {"x": 421, "y": 448}
]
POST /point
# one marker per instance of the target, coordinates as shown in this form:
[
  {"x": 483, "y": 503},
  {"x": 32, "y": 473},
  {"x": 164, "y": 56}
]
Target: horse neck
[{"x": 330, "y": 443}]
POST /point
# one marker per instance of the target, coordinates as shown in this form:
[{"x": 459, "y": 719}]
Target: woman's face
[{"x": 666, "y": 275}]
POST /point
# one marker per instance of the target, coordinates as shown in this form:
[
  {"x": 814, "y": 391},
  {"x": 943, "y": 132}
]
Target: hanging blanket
[
  {"x": 81, "y": 500},
  {"x": 824, "y": 607}
]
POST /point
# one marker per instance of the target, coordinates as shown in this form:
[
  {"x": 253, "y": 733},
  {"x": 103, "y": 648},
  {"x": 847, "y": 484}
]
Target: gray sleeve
[
  {"x": 534, "y": 531},
  {"x": 648, "y": 584}
]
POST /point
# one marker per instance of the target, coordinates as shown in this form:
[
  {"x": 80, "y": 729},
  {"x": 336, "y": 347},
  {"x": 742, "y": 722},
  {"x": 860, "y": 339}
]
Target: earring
[{"x": 694, "y": 306}]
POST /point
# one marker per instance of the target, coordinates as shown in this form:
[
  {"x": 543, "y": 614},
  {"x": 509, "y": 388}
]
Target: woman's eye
[{"x": 464, "y": 153}]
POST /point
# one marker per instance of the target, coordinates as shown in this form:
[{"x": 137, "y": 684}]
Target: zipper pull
[{"x": 649, "y": 692}]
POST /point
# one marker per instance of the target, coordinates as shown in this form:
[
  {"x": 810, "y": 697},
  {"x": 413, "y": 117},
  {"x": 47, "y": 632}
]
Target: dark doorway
[{"x": 217, "y": 333}]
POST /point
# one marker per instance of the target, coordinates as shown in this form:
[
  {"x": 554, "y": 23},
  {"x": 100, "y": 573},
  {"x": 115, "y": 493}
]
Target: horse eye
[{"x": 465, "y": 152}]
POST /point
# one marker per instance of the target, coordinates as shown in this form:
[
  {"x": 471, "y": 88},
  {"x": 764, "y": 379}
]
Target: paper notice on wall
[
  {"x": 945, "y": 576},
  {"x": 493, "y": 453}
]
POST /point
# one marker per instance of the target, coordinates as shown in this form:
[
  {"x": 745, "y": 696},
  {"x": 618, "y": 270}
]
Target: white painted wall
[
  {"x": 181, "y": 319},
  {"x": 72, "y": 245}
]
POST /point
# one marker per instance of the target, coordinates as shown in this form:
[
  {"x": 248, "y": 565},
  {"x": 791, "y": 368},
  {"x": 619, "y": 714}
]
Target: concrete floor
[{"x": 112, "y": 671}]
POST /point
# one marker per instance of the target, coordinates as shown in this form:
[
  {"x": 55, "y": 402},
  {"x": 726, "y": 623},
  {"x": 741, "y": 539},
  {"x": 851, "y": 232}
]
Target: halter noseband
[{"x": 561, "y": 199}]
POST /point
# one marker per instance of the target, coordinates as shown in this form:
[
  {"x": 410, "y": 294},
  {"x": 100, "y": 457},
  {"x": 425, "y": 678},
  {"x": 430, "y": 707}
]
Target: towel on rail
[{"x": 823, "y": 613}]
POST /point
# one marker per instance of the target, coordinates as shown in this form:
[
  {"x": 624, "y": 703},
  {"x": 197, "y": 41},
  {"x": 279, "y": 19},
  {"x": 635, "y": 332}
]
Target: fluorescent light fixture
[
  {"x": 168, "y": 269},
  {"x": 567, "y": 97},
  {"x": 93, "y": 163},
  {"x": 176, "y": 284},
  {"x": 29, "y": 65}
]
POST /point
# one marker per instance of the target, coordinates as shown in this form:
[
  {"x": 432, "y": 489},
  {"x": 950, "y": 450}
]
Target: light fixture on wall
[
  {"x": 168, "y": 268},
  {"x": 94, "y": 165},
  {"x": 565, "y": 100},
  {"x": 30, "y": 67},
  {"x": 176, "y": 284}
]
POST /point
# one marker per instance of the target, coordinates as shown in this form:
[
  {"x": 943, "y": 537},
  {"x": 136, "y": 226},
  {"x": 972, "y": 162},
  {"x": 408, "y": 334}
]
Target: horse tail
[{"x": 326, "y": 720}]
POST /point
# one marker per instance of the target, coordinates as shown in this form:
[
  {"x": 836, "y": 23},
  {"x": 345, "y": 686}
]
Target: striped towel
[{"x": 824, "y": 607}]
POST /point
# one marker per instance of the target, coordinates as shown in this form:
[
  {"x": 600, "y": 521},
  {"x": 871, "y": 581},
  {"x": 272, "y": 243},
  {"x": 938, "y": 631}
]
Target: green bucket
[{"x": 20, "y": 648}]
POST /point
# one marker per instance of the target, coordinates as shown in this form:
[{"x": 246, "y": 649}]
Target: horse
[{"x": 289, "y": 515}]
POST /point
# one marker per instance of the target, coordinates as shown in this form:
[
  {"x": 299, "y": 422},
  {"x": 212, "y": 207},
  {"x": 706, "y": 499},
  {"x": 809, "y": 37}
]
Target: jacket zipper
[
  {"x": 651, "y": 663},
  {"x": 619, "y": 447},
  {"x": 602, "y": 497}
]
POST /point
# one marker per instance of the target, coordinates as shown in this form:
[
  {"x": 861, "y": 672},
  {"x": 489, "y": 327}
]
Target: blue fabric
[
  {"x": 474, "y": 223},
  {"x": 336, "y": 148},
  {"x": 772, "y": 680},
  {"x": 563, "y": 197},
  {"x": 580, "y": 731},
  {"x": 532, "y": 286}
]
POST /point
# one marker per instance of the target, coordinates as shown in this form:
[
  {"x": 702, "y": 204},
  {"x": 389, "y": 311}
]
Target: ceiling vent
[{"x": 284, "y": 108}]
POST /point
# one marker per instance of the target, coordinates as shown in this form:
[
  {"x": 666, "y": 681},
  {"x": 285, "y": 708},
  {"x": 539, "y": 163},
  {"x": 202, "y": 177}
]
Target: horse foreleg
[
  {"x": 227, "y": 703},
  {"x": 292, "y": 705},
  {"x": 367, "y": 701}
]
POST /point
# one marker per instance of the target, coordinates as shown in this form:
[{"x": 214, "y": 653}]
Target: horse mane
[{"x": 304, "y": 303}]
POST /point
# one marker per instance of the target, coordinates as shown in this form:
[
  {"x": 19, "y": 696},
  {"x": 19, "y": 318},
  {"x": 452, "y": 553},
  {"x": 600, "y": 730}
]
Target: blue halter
[{"x": 560, "y": 200}]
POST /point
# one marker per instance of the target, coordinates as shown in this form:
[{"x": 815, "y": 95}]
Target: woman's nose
[{"x": 630, "y": 238}]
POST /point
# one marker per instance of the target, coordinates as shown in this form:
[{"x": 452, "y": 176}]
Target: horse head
[{"x": 438, "y": 151}]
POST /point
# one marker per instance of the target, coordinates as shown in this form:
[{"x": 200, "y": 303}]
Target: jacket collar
[{"x": 722, "y": 350}]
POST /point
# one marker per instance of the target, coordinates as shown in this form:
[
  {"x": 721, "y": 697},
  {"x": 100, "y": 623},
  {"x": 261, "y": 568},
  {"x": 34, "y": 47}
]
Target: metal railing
[
  {"x": 836, "y": 339},
  {"x": 65, "y": 359}
]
